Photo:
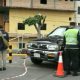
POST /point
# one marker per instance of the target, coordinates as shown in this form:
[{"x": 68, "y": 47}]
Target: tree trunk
[{"x": 38, "y": 31}]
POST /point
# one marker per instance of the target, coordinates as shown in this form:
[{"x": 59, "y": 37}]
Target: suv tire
[{"x": 36, "y": 60}]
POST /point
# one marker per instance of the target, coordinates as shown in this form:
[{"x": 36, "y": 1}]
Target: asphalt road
[{"x": 24, "y": 69}]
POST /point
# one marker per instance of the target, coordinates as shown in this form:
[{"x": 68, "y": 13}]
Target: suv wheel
[{"x": 36, "y": 61}]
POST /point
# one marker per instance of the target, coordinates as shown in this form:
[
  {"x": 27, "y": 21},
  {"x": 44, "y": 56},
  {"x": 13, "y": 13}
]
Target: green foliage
[
  {"x": 37, "y": 19},
  {"x": 30, "y": 21}
]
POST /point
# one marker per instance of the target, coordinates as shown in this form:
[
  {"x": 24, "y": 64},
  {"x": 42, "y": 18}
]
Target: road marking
[{"x": 20, "y": 74}]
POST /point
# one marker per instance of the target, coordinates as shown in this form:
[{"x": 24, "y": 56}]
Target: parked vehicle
[{"x": 46, "y": 49}]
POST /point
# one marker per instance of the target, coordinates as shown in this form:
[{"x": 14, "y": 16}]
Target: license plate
[
  {"x": 36, "y": 55},
  {"x": 51, "y": 55}
]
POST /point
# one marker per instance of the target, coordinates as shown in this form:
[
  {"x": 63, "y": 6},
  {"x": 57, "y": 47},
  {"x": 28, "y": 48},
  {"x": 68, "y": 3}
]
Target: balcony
[
  {"x": 65, "y": 5},
  {"x": 36, "y": 4},
  {"x": 55, "y": 5},
  {"x": 18, "y": 3}
]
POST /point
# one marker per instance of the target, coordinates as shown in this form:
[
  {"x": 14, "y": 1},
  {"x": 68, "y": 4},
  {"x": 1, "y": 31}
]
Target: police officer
[
  {"x": 79, "y": 47},
  {"x": 4, "y": 38},
  {"x": 71, "y": 54}
]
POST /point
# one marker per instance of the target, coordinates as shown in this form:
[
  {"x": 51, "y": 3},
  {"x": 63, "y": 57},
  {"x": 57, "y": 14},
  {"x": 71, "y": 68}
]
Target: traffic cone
[{"x": 60, "y": 70}]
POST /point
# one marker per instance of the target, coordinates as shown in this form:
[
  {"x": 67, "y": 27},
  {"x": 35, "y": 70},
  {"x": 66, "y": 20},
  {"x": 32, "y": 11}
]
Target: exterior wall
[
  {"x": 19, "y": 3},
  {"x": 1, "y": 20},
  {"x": 1, "y": 2},
  {"x": 51, "y": 4},
  {"x": 54, "y": 19},
  {"x": 55, "y": 4},
  {"x": 76, "y": 14},
  {"x": 7, "y": 26},
  {"x": 4, "y": 22},
  {"x": 64, "y": 5}
]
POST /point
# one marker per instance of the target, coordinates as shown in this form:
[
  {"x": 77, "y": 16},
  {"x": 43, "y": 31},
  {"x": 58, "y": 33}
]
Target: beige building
[
  {"x": 58, "y": 12},
  {"x": 77, "y": 15}
]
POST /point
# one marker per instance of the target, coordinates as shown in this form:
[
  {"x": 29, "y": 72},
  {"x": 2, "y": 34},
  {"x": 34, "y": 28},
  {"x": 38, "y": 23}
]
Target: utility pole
[
  {"x": 75, "y": 8},
  {"x": 31, "y": 3}
]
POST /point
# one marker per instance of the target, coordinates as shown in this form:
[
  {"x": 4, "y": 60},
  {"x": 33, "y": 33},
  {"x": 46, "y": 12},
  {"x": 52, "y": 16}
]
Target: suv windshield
[{"x": 59, "y": 31}]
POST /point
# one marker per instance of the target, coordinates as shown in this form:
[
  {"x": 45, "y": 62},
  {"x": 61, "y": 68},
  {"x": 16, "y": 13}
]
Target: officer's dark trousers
[{"x": 71, "y": 60}]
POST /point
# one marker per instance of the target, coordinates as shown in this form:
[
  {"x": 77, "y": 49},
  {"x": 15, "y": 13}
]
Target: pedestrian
[
  {"x": 4, "y": 39},
  {"x": 71, "y": 51}
]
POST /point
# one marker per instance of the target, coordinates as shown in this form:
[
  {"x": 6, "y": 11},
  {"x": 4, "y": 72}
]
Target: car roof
[
  {"x": 77, "y": 27},
  {"x": 67, "y": 27}
]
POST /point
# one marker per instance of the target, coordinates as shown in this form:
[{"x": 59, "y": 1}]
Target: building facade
[
  {"x": 57, "y": 12},
  {"x": 77, "y": 15}
]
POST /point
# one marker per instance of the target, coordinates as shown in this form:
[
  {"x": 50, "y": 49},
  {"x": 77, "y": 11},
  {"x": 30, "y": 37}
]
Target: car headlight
[{"x": 52, "y": 47}]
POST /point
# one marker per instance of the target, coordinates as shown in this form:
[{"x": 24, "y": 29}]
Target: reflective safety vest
[{"x": 71, "y": 36}]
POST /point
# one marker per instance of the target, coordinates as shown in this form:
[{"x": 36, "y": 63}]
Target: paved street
[
  {"x": 39, "y": 28},
  {"x": 24, "y": 69}
]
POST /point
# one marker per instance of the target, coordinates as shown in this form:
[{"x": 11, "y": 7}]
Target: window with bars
[
  {"x": 78, "y": 10},
  {"x": 78, "y": 24},
  {"x": 43, "y": 1},
  {"x": 72, "y": 23},
  {"x": 21, "y": 26},
  {"x": 71, "y": 0},
  {"x": 66, "y": 0},
  {"x": 70, "y": 18},
  {"x": 21, "y": 45},
  {"x": 43, "y": 27}
]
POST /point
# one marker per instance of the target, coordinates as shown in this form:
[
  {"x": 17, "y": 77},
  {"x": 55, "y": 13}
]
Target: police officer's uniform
[
  {"x": 71, "y": 51},
  {"x": 3, "y": 50}
]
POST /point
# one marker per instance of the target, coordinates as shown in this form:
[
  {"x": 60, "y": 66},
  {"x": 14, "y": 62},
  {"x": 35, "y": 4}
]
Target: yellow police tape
[
  {"x": 19, "y": 54},
  {"x": 11, "y": 57},
  {"x": 10, "y": 50}
]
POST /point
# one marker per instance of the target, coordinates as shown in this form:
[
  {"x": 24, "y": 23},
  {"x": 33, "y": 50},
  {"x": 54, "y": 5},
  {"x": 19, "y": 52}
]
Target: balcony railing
[{"x": 25, "y": 35}]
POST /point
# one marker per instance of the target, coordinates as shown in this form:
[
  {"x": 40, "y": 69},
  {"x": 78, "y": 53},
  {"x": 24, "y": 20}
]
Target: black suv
[{"x": 46, "y": 49}]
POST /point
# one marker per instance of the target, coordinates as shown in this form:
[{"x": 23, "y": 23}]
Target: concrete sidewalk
[{"x": 14, "y": 69}]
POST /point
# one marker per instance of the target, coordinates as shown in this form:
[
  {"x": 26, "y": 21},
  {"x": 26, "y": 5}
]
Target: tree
[{"x": 37, "y": 21}]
